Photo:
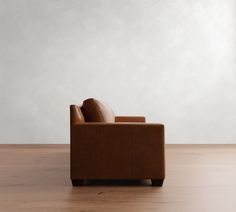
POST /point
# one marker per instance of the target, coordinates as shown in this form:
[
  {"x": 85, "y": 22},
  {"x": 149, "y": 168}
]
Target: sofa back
[{"x": 76, "y": 115}]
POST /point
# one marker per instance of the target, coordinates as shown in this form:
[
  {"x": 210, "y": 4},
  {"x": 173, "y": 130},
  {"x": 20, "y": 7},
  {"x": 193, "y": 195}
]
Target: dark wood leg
[
  {"x": 77, "y": 182},
  {"x": 157, "y": 182}
]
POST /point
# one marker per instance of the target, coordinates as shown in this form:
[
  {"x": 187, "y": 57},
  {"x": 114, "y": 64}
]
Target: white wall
[{"x": 173, "y": 61}]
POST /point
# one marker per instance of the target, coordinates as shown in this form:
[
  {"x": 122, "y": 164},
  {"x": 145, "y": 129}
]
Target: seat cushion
[{"x": 96, "y": 111}]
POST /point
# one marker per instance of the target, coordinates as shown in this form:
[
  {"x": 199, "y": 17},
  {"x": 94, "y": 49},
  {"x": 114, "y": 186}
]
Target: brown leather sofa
[{"x": 104, "y": 146}]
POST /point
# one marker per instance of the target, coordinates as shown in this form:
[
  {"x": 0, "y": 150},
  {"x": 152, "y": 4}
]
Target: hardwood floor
[{"x": 199, "y": 178}]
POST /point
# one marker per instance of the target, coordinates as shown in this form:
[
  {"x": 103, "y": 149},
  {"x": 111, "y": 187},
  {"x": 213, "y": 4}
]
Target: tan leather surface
[
  {"x": 117, "y": 151},
  {"x": 130, "y": 119},
  {"x": 76, "y": 115},
  {"x": 96, "y": 111}
]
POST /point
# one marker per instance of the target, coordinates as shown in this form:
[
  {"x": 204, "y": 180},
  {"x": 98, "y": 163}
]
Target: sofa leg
[
  {"x": 157, "y": 182},
  {"x": 77, "y": 182}
]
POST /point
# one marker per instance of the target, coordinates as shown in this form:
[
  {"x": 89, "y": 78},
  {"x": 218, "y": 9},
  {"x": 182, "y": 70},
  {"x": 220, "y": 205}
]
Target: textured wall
[{"x": 172, "y": 61}]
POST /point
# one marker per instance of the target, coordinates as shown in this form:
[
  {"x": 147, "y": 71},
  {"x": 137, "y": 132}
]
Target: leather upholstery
[
  {"x": 96, "y": 111},
  {"x": 76, "y": 115},
  {"x": 130, "y": 119},
  {"x": 125, "y": 149},
  {"x": 117, "y": 151}
]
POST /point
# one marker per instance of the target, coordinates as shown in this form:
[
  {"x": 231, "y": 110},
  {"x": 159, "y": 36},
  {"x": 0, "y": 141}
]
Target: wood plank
[{"x": 199, "y": 178}]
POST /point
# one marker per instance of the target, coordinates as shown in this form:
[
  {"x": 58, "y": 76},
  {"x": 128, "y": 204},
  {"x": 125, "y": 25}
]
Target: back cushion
[{"x": 96, "y": 111}]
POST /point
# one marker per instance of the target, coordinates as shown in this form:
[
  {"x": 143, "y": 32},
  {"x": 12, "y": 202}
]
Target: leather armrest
[
  {"x": 101, "y": 130},
  {"x": 117, "y": 150},
  {"x": 130, "y": 119}
]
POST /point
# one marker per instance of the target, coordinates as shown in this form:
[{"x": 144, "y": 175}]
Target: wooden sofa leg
[
  {"x": 77, "y": 182},
  {"x": 157, "y": 182}
]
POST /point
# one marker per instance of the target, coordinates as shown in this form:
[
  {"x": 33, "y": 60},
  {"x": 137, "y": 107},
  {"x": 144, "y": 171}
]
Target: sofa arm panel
[
  {"x": 149, "y": 151},
  {"x": 130, "y": 119},
  {"x": 117, "y": 151}
]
